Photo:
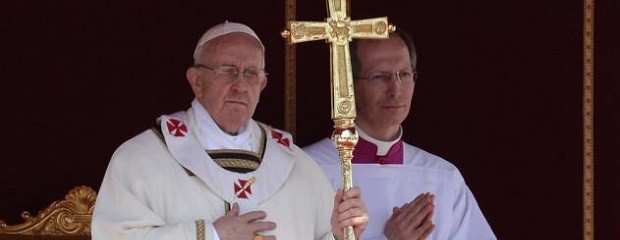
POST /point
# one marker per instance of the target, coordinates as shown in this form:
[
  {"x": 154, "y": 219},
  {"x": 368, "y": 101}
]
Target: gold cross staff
[{"x": 338, "y": 30}]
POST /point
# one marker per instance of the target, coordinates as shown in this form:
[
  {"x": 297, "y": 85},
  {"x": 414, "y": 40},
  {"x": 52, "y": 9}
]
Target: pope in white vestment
[
  {"x": 212, "y": 172},
  {"x": 168, "y": 187},
  {"x": 387, "y": 184}
]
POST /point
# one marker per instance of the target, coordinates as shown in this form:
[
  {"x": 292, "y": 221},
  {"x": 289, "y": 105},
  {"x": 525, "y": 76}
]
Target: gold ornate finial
[
  {"x": 285, "y": 33},
  {"x": 391, "y": 28},
  {"x": 338, "y": 30},
  {"x": 71, "y": 216}
]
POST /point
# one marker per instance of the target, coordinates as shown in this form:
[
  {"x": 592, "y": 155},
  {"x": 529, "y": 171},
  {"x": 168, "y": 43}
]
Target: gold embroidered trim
[
  {"x": 236, "y": 163},
  {"x": 224, "y": 151},
  {"x": 200, "y": 230},
  {"x": 263, "y": 142},
  {"x": 226, "y": 207}
]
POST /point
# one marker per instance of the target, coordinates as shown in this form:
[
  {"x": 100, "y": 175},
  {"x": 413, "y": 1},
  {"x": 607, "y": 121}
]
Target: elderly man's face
[{"x": 230, "y": 102}]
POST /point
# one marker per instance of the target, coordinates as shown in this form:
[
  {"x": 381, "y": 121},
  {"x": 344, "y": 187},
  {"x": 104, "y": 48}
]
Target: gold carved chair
[{"x": 64, "y": 219}]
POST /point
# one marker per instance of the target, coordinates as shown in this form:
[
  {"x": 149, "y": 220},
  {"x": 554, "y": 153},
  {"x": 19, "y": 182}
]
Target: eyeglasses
[
  {"x": 252, "y": 75},
  {"x": 384, "y": 78}
]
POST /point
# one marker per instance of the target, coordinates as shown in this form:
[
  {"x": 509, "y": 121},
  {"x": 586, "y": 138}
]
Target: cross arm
[
  {"x": 376, "y": 28},
  {"x": 304, "y": 31}
]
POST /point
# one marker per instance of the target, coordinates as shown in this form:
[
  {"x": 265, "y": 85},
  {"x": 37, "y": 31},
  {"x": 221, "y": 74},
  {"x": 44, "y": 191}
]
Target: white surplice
[
  {"x": 457, "y": 215},
  {"x": 159, "y": 190}
]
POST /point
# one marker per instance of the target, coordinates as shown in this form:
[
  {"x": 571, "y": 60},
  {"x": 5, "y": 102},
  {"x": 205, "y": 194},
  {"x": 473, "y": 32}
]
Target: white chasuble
[{"x": 156, "y": 189}]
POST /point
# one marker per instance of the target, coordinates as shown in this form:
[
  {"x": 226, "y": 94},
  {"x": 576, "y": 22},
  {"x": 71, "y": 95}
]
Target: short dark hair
[{"x": 356, "y": 64}]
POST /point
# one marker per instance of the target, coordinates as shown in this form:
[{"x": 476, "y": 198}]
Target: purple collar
[{"x": 366, "y": 152}]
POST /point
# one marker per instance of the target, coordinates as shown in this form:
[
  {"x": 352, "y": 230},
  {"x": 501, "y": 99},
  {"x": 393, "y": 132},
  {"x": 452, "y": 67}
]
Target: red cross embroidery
[
  {"x": 243, "y": 187},
  {"x": 176, "y": 128},
  {"x": 279, "y": 137}
]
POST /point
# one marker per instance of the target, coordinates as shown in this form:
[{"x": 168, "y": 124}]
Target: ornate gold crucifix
[{"x": 338, "y": 30}]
